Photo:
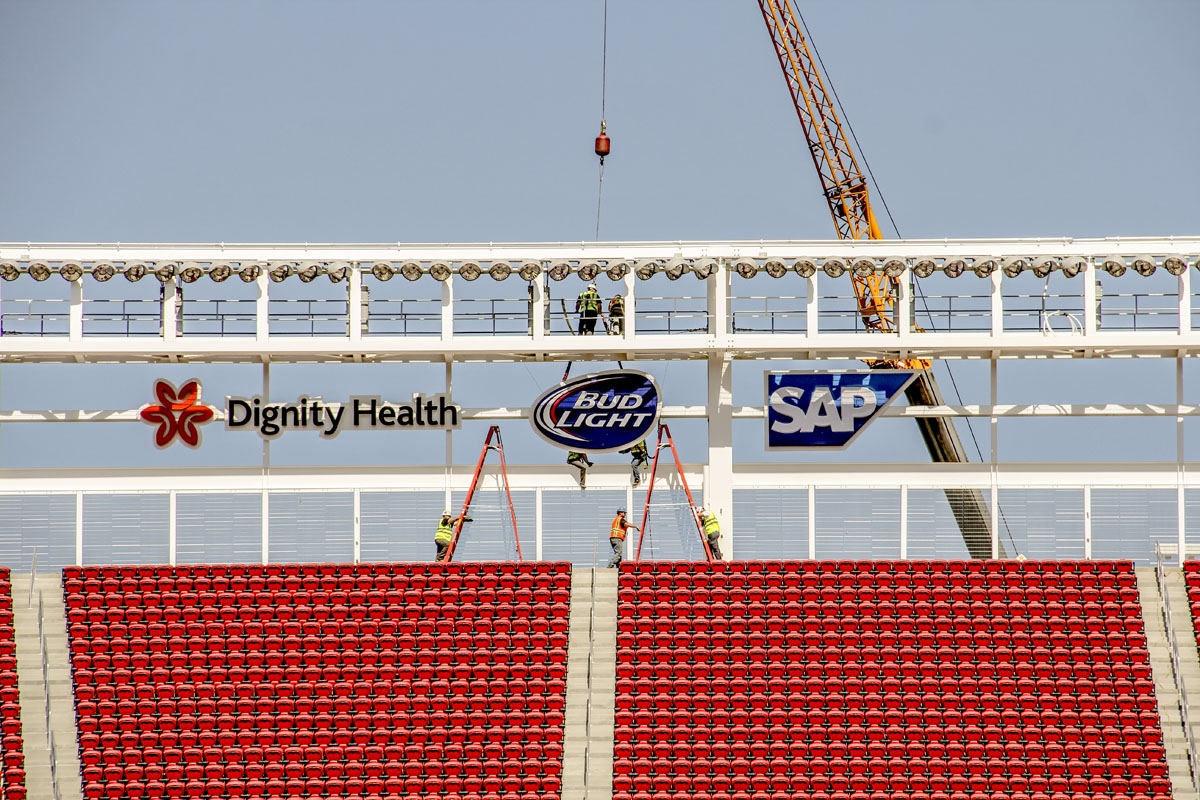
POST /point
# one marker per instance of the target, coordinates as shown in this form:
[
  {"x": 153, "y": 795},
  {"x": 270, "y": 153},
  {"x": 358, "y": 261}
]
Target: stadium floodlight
[
  {"x": 588, "y": 271},
  {"x": 249, "y": 271},
  {"x": 220, "y": 272},
  {"x": 500, "y": 270},
  {"x": 9, "y": 271},
  {"x": 1115, "y": 266},
  {"x": 863, "y": 268},
  {"x": 646, "y": 268},
  {"x": 39, "y": 271},
  {"x": 469, "y": 270},
  {"x": 440, "y": 271},
  {"x": 133, "y": 271},
  {"x": 954, "y": 267},
  {"x": 704, "y": 267},
  {"x": 165, "y": 270},
  {"x": 893, "y": 267},
  {"x": 530, "y": 270},
  {"x": 1175, "y": 265},
  {"x": 924, "y": 267},
  {"x": 337, "y": 271},
  {"x": 1014, "y": 266},
  {"x": 775, "y": 268},
  {"x": 383, "y": 270},
  {"x": 190, "y": 272},
  {"x": 746, "y": 267},
  {"x": 616, "y": 270},
  {"x": 834, "y": 267},
  {"x": 1073, "y": 266},
  {"x": 805, "y": 267},
  {"x": 559, "y": 270},
  {"x": 103, "y": 271},
  {"x": 411, "y": 270},
  {"x": 984, "y": 267},
  {"x": 1144, "y": 265},
  {"x": 1042, "y": 267},
  {"x": 278, "y": 271},
  {"x": 675, "y": 268},
  {"x": 308, "y": 270},
  {"x": 70, "y": 271}
]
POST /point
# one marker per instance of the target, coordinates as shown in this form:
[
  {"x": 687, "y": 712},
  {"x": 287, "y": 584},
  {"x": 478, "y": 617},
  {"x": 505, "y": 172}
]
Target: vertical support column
[
  {"x": 993, "y": 419},
  {"x": 172, "y": 529},
  {"x": 994, "y": 467},
  {"x": 630, "y": 304},
  {"x": 718, "y": 306},
  {"x": 266, "y": 494},
  {"x": 1087, "y": 522},
  {"x": 1091, "y": 311},
  {"x": 1179, "y": 453},
  {"x": 449, "y": 432},
  {"x": 79, "y": 529},
  {"x": 537, "y": 308},
  {"x": 811, "y": 318},
  {"x": 812, "y": 522},
  {"x": 354, "y": 297},
  {"x": 266, "y": 524},
  {"x": 537, "y": 530},
  {"x": 357, "y": 525},
  {"x": 718, "y": 490},
  {"x": 997, "y": 298},
  {"x": 75, "y": 318},
  {"x": 262, "y": 308},
  {"x": 994, "y": 515},
  {"x": 1185, "y": 302},
  {"x": 447, "y": 309},
  {"x": 903, "y": 521},
  {"x": 904, "y": 304}
]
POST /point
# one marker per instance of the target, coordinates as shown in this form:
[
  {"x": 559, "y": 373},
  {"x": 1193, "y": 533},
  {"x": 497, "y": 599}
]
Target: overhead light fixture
[
  {"x": 102, "y": 271},
  {"x": 469, "y": 270},
  {"x": 190, "y": 272},
  {"x": 1175, "y": 265},
  {"x": 675, "y": 268},
  {"x": 775, "y": 268},
  {"x": 278, "y": 271},
  {"x": 39, "y": 271},
  {"x": 1115, "y": 266},
  {"x": 308, "y": 270},
  {"x": 646, "y": 268},
  {"x": 1144, "y": 265},
  {"x": 805, "y": 267},
  {"x": 954, "y": 267},
  {"x": 530, "y": 270},
  {"x": 134, "y": 271},
  {"x": 220, "y": 272},
  {"x": 924, "y": 267},
  {"x": 1042, "y": 267},
  {"x": 70, "y": 271},
  {"x": 704, "y": 267},
  {"x": 1014, "y": 266},
  {"x": 337, "y": 271},
  {"x": 984, "y": 267},
  {"x": 9, "y": 271},
  {"x": 588, "y": 271},
  {"x": 746, "y": 267},
  {"x": 617, "y": 270},
  {"x": 834, "y": 267},
  {"x": 249, "y": 271},
  {"x": 1073, "y": 266},
  {"x": 165, "y": 270},
  {"x": 411, "y": 270},
  {"x": 500, "y": 270},
  {"x": 559, "y": 270},
  {"x": 440, "y": 271},
  {"x": 893, "y": 267},
  {"x": 383, "y": 270},
  {"x": 863, "y": 268}
]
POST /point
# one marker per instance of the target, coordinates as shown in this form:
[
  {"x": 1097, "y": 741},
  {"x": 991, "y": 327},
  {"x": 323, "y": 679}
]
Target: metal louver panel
[
  {"x": 126, "y": 529},
  {"x": 311, "y": 526},
  {"x": 218, "y": 528}
]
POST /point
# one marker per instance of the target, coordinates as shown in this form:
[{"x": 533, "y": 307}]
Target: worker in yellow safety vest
[
  {"x": 616, "y": 537},
  {"x": 587, "y": 305},
  {"x": 445, "y": 533},
  {"x": 712, "y": 529},
  {"x": 616, "y": 315},
  {"x": 581, "y": 462},
  {"x": 639, "y": 457}
]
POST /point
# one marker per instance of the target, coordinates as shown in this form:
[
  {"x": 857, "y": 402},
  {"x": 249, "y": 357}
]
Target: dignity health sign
[{"x": 827, "y": 410}]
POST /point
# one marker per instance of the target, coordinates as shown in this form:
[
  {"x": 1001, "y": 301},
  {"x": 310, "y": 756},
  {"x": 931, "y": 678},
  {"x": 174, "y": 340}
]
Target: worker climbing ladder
[
  {"x": 664, "y": 432},
  {"x": 493, "y": 433}
]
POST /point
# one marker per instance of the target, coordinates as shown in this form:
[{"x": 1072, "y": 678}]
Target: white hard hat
[
  {"x": 701, "y": 511},
  {"x": 447, "y": 513},
  {"x": 592, "y": 286}
]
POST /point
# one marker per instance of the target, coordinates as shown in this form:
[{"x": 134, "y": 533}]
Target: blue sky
[{"x": 473, "y": 121}]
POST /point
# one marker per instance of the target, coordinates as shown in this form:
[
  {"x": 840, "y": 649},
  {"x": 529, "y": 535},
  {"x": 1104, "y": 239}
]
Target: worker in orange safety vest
[{"x": 616, "y": 537}]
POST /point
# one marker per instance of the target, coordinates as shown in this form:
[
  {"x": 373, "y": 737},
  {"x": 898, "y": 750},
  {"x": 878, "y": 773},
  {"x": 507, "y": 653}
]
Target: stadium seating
[
  {"x": 12, "y": 776},
  {"x": 911, "y": 680},
  {"x": 305, "y": 680},
  {"x": 1191, "y": 574}
]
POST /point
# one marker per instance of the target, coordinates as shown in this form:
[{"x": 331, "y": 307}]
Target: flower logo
[{"x": 178, "y": 413}]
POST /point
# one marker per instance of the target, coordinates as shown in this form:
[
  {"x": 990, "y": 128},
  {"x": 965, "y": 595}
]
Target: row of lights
[{"x": 191, "y": 271}]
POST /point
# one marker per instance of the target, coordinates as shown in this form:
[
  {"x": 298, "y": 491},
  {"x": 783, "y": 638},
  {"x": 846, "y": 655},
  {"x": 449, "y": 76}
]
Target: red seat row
[
  {"x": 1191, "y": 575},
  {"x": 521, "y": 568},
  {"x": 12, "y": 752}
]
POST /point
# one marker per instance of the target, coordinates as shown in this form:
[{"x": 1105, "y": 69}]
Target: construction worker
[
  {"x": 579, "y": 461},
  {"x": 445, "y": 533},
  {"x": 712, "y": 529},
  {"x": 640, "y": 457},
  {"x": 616, "y": 537},
  {"x": 616, "y": 315},
  {"x": 587, "y": 305}
]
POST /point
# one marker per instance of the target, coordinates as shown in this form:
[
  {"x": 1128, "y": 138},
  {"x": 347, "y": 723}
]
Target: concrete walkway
[{"x": 591, "y": 686}]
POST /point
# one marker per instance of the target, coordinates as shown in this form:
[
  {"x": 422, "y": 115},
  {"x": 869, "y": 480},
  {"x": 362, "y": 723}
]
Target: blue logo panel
[
  {"x": 827, "y": 410},
  {"x": 598, "y": 413}
]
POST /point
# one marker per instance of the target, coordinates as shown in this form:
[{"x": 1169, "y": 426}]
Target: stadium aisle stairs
[
  {"x": 588, "y": 727},
  {"x": 33, "y": 702},
  {"x": 1160, "y": 662}
]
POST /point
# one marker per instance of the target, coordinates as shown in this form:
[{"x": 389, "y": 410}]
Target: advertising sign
[
  {"x": 598, "y": 413},
  {"x": 827, "y": 410}
]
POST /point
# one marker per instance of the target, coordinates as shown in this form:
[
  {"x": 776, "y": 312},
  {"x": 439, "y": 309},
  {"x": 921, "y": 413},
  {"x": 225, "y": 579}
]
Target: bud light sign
[
  {"x": 827, "y": 410},
  {"x": 598, "y": 413}
]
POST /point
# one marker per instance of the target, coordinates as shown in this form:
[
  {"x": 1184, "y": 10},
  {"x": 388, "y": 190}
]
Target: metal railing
[
  {"x": 667, "y": 315},
  {"x": 493, "y": 317},
  {"x": 768, "y": 315},
  {"x": 1193, "y": 749},
  {"x": 403, "y": 318},
  {"x": 122, "y": 317},
  {"x": 34, "y": 317},
  {"x": 308, "y": 317}
]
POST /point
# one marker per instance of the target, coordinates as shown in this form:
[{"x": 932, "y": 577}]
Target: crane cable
[{"x": 603, "y": 108}]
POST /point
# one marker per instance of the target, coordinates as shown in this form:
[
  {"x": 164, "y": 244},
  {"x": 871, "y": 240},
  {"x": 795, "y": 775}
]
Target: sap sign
[
  {"x": 598, "y": 413},
  {"x": 808, "y": 410}
]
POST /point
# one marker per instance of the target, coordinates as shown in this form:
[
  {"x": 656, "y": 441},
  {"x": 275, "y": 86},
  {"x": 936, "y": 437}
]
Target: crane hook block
[{"x": 603, "y": 143}]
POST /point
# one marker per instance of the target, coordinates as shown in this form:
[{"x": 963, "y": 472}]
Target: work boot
[{"x": 583, "y": 480}]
